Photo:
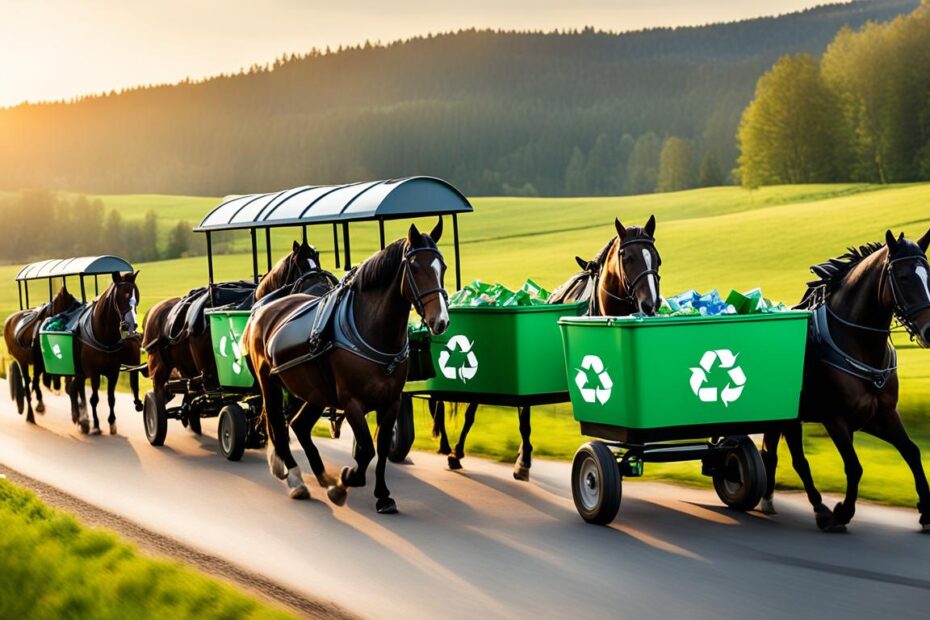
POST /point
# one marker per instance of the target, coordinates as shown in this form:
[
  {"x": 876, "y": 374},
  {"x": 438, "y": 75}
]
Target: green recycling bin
[
  {"x": 57, "y": 352},
  {"x": 661, "y": 372},
  {"x": 508, "y": 351},
  {"x": 226, "y": 327}
]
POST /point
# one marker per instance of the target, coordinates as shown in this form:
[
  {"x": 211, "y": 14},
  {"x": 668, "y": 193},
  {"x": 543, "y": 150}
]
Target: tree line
[
  {"x": 860, "y": 112},
  {"x": 550, "y": 114},
  {"x": 41, "y": 224}
]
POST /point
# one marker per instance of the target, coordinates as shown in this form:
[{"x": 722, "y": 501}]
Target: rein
[
  {"x": 418, "y": 295},
  {"x": 630, "y": 285}
]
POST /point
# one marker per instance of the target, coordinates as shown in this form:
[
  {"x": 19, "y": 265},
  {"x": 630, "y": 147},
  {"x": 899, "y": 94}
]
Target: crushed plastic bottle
[
  {"x": 478, "y": 293},
  {"x": 693, "y": 303}
]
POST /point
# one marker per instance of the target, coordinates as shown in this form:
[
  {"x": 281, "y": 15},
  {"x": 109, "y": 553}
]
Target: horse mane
[
  {"x": 832, "y": 273},
  {"x": 380, "y": 268},
  {"x": 273, "y": 280}
]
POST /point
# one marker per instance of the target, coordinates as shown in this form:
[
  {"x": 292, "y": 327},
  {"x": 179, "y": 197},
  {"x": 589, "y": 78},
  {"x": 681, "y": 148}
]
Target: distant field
[{"x": 718, "y": 237}]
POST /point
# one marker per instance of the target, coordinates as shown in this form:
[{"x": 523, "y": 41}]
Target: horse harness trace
[{"x": 629, "y": 285}]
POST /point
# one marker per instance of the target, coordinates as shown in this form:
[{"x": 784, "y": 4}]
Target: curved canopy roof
[
  {"x": 322, "y": 204},
  {"x": 84, "y": 265}
]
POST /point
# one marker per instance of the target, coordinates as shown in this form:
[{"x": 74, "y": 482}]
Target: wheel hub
[{"x": 590, "y": 491}]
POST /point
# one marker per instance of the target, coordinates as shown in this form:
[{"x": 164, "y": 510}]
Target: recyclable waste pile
[
  {"x": 693, "y": 303},
  {"x": 480, "y": 293}
]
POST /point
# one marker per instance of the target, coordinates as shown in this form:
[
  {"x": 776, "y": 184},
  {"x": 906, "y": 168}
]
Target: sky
[{"x": 57, "y": 49}]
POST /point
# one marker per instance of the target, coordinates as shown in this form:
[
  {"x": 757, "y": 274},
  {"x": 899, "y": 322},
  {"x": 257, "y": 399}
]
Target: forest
[
  {"x": 496, "y": 113},
  {"x": 861, "y": 112}
]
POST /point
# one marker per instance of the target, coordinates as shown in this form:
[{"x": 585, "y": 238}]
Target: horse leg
[
  {"x": 134, "y": 386},
  {"x": 94, "y": 401},
  {"x": 459, "y": 454},
  {"x": 363, "y": 453},
  {"x": 795, "y": 442},
  {"x": 521, "y": 469},
  {"x": 842, "y": 438},
  {"x": 770, "y": 460},
  {"x": 280, "y": 460},
  {"x": 437, "y": 409},
  {"x": 81, "y": 397},
  {"x": 111, "y": 400},
  {"x": 891, "y": 429},
  {"x": 37, "y": 388},
  {"x": 302, "y": 425},
  {"x": 27, "y": 381},
  {"x": 386, "y": 419}
]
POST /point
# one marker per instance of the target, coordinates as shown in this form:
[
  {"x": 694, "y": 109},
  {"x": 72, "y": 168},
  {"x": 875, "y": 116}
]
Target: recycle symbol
[
  {"x": 592, "y": 364},
  {"x": 56, "y": 349},
  {"x": 467, "y": 366},
  {"x": 236, "y": 352},
  {"x": 734, "y": 387}
]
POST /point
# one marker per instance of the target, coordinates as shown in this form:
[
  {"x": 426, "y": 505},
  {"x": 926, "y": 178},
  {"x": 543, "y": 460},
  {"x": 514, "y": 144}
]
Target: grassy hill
[{"x": 718, "y": 237}]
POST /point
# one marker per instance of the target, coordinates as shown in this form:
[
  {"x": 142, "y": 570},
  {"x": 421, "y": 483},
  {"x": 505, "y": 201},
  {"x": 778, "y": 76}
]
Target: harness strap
[
  {"x": 832, "y": 355},
  {"x": 85, "y": 332}
]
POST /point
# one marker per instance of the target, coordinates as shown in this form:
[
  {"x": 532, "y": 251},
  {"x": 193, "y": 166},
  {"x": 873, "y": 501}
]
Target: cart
[
  {"x": 668, "y": 389},
  {"x": 236, "y": 398}
]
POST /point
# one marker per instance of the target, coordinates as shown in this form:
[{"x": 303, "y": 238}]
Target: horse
[
  {"x": 850, "y": 378},
  {"x": 623, "y": 278},
  {"x": 22, "y": 344},
  {"x": 363, "y": 368},
  {"x": 101, "y": 346},
  {"x": 190, "y": 354}
]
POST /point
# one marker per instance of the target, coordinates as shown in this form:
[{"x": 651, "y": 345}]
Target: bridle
[
  {"x": 628, "y": 284},
  {"x": 126, "y": 329},
  {"x": 417, "y": 296},
  {"x": 903, "y": 312}
]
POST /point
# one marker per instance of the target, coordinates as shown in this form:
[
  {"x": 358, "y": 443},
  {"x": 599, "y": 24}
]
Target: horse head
[
  {"x": 64, "y": 300},
  {"x": 906, "y": 284},
  {"x": 424, "y": 272},
  {"x": 636, "y": 270},
  {"x": 123, "y": 297}
]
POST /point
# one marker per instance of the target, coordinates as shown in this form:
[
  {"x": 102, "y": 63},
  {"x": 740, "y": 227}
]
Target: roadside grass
[
  {"x": 51, "y": 566},
  {"x": 724, "y": 237}
]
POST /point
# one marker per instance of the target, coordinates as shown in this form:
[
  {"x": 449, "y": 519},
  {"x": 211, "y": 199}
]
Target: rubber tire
[
  {"x": 607, "y": 471},
  {"x": 752, "y": 475},
  {"x": 17, "y": 391},
  {"x": 403, "y": 432},
  {"x": 155, "y": 420},
  {"x": 232, "y": 431}
]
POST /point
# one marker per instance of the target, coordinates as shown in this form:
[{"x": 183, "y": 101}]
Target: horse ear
[
  {"x": 651, "y": 226},
  {"x": 413, "y": 236},
  {"x": 581, "y": 262},
  {"x": 890, "y": 241},
  {"x": 135, "y": 274},
  {"x": 436, "y": 233},
  {"x": 924, "y": 242},
  {"x": 116, "y": 277},
  {"x": 621, "y": 230},
  {"x": 296, "y": 247}
]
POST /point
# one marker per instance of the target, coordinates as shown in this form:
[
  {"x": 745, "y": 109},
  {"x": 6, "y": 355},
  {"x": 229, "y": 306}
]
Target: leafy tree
[
  {"x": 574, "y": 174},
  {"x": 113, "y": 235},
  {"x": 643, "y": 167},
  {"x": 676, "y": 166},
  {"x": 710, "y": 174}
]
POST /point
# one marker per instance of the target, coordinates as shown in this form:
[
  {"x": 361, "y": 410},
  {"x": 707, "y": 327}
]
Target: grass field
[
  {"x": 718, "y": 237},
  {"x": 53, "y": 567}
]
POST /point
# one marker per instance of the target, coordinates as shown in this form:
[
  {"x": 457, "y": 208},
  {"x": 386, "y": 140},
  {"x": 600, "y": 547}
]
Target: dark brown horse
[
  {"x": 361, "y": 372},
  {"x": 622, "y": 279},
  {"x": 23, "y": 344},
  {"x": 190, "y": 355},
  {"x": 101, "y": 346},
  {"x": 850, "y": 370}
]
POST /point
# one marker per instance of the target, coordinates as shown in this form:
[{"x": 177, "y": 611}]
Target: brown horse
[
  {"x": 355, "y": 374},
  {"x": 23, "y": 344},
  {"x": 191, "y": 354},
  {"x": 101, "y": 346},
  {"x": 622, "y": 279},
  {"x": 850, "y": 370}
]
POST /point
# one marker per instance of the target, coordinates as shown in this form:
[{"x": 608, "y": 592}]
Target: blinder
[{"x": 903, "y": 311}]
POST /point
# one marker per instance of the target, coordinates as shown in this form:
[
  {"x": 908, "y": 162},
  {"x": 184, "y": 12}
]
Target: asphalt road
[{"x": 478, "y": 543}]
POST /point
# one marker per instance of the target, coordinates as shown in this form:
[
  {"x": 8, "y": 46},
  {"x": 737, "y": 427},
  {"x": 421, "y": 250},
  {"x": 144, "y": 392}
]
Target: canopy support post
[
  {"x": 50, "y": 295},
  {"x": 83, "y": 291},
  {"x": 26, "y": 287},
  {"x": 19, "y": 288},
  {"x": 254, "y": 256},
  {"x": 305, "y": 232},
  {"x": 96, "y": 286},
  {"x": 381, "y": 230},
  {"x": 210, "y": 266},
  {"x": 336, "y": 243},
  {"x": 455, "y": 240},
  {"x": 345, "y": 238},
  {"x": 268, "y": 247}
]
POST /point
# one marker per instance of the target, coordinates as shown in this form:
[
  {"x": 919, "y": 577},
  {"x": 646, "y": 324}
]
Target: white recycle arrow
[
  {"x": 464, "y": 373},
  {"x": 708, "y": 394},
  {"x": 600, "y": 393}
]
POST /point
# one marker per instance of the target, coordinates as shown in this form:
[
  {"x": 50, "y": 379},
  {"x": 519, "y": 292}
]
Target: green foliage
[
  {"x": 492, "y": 112},
  {"x": 676, "y": 166},
  {"x": 53, "y": 567},
  {"x": 642, "y": 171},
  {"x": 710, "y": 174}
]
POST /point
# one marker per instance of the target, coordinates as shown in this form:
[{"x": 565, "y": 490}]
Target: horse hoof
[
  {"x": 521, "y": 472},
  {"x": 335, "y": 428},
  {"x": 337, "y": 495},
  {"x": 386, "y": 506},
  {"x": 85, "y": 427},
  {"x": 827, "y": 522},
  {"x": 925, "y": 528},
  {"x": 140, "y": 407},
  {"x": 40, "y": 407},
  {"x": 300, "y": 492},
  {"x": 95, "y": 430},
  {"x": 113, "y": 428},
  {"x": 454, "y": 462},
  {"x": 30, "y": 419},
  {"x": 767, "y": 507},
  {"x": 275, "y": 464},
  {"x": 326, "y": 481}
]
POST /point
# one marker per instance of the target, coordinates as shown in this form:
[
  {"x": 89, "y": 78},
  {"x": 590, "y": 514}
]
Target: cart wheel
[
  {"x": 402, "y": 438},
  {"x": 740, "y": 482},
  {"x": 596, "y": 483},
  {"x": 155, "y": 418},
  {"x": 233, "y": 429},
  {"x": 17, "y": 391}
]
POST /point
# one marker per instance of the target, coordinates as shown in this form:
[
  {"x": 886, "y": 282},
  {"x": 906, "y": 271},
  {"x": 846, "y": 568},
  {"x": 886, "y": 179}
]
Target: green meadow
[{"x": 721, "y": 238}]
